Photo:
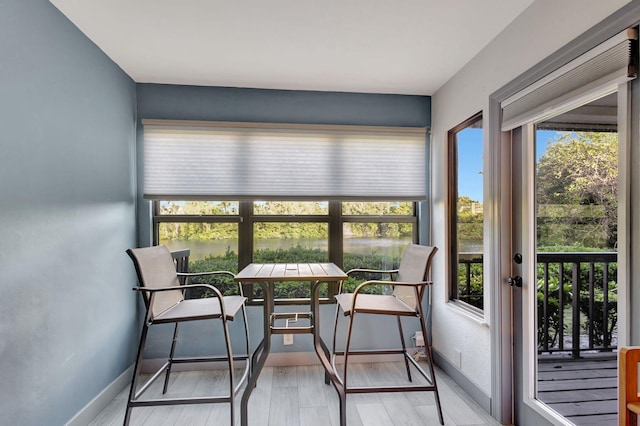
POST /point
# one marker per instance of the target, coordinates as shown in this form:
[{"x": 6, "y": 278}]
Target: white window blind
[
  {"x": 201, "y": 160},
  {"x": 586, "y": 78}
]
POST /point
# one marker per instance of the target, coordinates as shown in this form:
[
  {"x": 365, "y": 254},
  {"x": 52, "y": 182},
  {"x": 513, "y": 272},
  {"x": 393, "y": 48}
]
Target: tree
[
  {"x": 577, "y": 189},
  {"x": 470, "y": 221}
]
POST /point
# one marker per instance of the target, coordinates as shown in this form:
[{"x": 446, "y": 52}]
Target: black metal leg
[
  {"x": 323, "y": 352},
  {"x": 134, "y": 381},
  {"x": 404, "y": 348},
  {"x": 227, "y": 342},
  {"x": 171, "y": 354},
  {"x": 427, "y": 348},
  {"x": 261, "y": 353},
  {"x": 256, "y": 355}
]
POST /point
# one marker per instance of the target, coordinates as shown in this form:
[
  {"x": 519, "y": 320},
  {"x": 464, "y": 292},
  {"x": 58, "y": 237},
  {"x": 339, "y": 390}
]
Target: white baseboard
[
  {"x": 100, "y": 402},
  {"x": 477, "y": 394}
]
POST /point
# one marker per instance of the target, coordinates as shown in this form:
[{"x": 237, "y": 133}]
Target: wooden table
[{"x": 266, "y": 275}]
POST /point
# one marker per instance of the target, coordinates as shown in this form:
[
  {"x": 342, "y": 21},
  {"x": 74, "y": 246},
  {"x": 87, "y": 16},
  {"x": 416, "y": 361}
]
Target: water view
[{"x": 202, "y": 249}]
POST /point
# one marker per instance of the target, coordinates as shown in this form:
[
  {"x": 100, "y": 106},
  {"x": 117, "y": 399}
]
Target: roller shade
[
  {"x": 200, "y": 160},
  {"x": 592, "y": 75}
]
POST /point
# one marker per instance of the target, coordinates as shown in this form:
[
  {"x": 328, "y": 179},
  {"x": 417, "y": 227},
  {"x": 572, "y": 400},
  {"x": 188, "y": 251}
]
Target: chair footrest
[
  {"x": 180, "y": 401},
  {"x": 376, "y": 389},
  {"x": 186, "y": 360},
  {"x": 372, "y": 352},
  {"x": 634, "y": 407}
]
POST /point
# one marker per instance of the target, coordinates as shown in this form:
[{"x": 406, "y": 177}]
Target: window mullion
[{"x": 245, "y": 234}]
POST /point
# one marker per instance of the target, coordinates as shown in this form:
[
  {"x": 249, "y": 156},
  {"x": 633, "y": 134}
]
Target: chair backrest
[
  {"x": 414, "y": 268},
  {"x": 628, "y": 396},
  {"x": 156, "y": 269}
]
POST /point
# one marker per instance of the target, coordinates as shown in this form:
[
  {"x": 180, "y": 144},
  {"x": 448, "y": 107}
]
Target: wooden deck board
[
  {"x": 585, "y": 391},
  {"x": 577, "y": 395},
  {"x": 578, "y": 384}
]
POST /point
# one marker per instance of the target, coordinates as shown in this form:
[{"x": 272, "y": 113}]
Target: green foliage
[
  {"x": 551, "y": 314},
  {"x": 602, "y": 326},
  {"x": 226, "y": 284},
  {"x": 195, "y": 231},
  {"x": 290, "y": 208},
  {"x": 362, "y": 208},
  {"x": 293, "y": 255},
  {"x": 471, "y": 291},
  {"x": 369, "y": 261},
  {"x": 379, "y": 230},
  {"x": 576, "y": 190},
  {"x": 593, "y": 320},
  {"x": 470, "y": 221}
]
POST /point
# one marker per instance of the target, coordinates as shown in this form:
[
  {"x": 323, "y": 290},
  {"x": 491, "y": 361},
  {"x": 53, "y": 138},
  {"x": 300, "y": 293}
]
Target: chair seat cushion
[
  {"x": 374, "y": 304},
  {"x": 200, "y": 309}
]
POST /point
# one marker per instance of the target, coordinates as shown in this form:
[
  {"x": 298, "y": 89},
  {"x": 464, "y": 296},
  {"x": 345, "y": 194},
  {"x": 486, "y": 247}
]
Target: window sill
[{"x": 464, "y": 310}]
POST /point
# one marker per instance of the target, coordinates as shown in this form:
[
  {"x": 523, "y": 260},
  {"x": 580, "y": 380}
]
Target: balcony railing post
[
  {"x": 560, "y": 306},
  {"x": 592, "y": 285},
  {"x": 468, "y": 283},
  {"x": 594, "y": 307},
  {"x": 575, "y": 314},
  {"x": 606, "y": 336},
  {"x": 545, "y": 309}
]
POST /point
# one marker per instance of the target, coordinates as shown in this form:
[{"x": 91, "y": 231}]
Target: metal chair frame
[
  {"x": 404, "y": 310},
  {"x": 149, "y": 295}
]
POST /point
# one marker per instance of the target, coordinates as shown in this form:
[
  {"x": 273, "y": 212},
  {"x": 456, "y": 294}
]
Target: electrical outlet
[
  {"x": 419, "y": 338},
  {"x": 287, "y": 339}
]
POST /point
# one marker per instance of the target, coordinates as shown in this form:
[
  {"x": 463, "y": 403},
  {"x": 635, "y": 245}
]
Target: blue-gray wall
[
  {"x": 67, "y": 214},
  {"x": 171, "y": 102}
]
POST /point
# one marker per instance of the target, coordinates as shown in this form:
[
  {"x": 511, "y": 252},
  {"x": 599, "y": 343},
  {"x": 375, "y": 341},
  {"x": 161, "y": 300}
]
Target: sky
[
  {"x": 470, "y": 163},
  {"x": 470, "y": 159}
]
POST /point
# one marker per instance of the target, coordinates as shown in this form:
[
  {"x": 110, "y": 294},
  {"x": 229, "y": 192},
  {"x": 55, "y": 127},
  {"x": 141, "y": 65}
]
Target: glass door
[{"x": 565, "y": 266}]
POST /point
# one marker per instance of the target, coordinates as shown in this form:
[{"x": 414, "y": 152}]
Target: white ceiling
[{"x": 374, "y": 46}]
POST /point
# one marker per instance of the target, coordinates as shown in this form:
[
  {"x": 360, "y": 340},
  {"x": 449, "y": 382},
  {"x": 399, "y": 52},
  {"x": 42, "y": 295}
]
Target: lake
[{"x": 202, "y": 249}]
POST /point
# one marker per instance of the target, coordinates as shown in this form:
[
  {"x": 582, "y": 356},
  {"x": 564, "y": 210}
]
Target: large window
[
  {"x": 228, "y": 235},
  {"x": 236, "y": 193},
  {"x": 466, "y": 213}
]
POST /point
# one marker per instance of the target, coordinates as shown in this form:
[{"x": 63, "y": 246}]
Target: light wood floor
[{"x": 297, "y": 396}]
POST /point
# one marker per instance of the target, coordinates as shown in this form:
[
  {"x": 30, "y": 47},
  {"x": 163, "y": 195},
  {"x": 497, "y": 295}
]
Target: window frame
[
  {"x": 246, "y": 220},
  {"x": 452, "y": 213}
]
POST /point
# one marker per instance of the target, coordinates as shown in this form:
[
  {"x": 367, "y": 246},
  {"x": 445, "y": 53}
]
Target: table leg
[
  {"x": 323, "y": 353},
  {"x": 257, "y": 353},
  {"x": 260, "y": 354}
]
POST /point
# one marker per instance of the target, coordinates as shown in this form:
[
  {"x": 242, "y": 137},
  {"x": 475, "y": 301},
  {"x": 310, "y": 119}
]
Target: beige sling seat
[
  {"x": 164, "y": 300},
  {"x": 406, "y": 300}
]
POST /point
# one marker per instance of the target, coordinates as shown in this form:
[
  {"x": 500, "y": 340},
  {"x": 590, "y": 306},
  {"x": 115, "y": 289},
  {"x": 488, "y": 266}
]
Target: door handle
[{"x": 515, "y": 281}]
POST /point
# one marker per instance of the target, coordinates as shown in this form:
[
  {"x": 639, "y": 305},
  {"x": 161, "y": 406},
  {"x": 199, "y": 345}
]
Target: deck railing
[{"x": 577, "y": 300}]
